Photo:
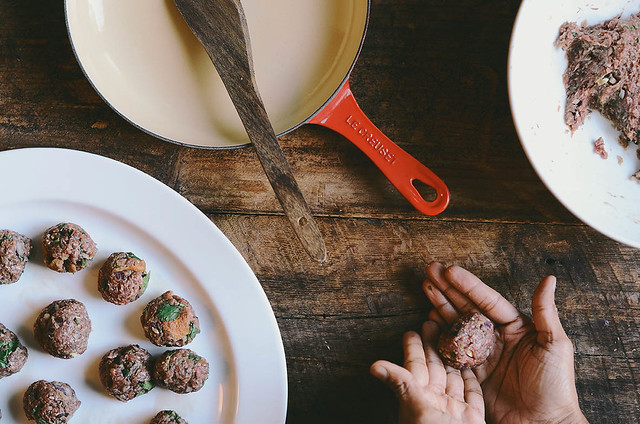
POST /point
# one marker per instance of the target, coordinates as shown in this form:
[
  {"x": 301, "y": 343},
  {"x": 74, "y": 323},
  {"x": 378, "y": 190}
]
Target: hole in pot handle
[{"x": 343, "y": 115}]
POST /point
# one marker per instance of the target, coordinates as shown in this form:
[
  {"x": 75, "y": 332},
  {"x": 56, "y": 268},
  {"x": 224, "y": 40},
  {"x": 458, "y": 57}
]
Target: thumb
[
  {"x": 545, "y": 313},
  {"x": 394, "y": 376}
]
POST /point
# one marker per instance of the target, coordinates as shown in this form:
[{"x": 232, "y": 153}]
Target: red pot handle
[{"x": 343, "y": 115}]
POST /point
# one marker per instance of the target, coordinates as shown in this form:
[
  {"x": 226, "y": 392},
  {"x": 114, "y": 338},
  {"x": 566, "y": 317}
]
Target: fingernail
[{"x": 381, "y": 372}]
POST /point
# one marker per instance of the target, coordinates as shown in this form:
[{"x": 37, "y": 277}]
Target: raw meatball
[
  {"x": 13, "y": 354},
  {"x": 181, "y": 371},
  {"x": 123, "y": 278},
  {"x": 63, "y": 328},
  {"x": 125, "y": 372},
  {"x": 14, "y": 254},
  {"x": 50, "y": 402},
  {"x": 67, "y": 247},
  {"x": 169, "y": 320},
  {"x": 468, "y": 342},
  {"x": 167, "y": 417}
]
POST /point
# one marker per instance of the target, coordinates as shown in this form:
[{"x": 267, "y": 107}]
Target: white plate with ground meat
[
  {"x": 124, "y": 209},
  {"x": 601, "y": 192}
]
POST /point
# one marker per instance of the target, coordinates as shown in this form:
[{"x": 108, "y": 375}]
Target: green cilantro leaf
[
  {"x": 6, "y": 349},
  {"x": 145, "y": 281},
  {"x": 169, "y": 312}
]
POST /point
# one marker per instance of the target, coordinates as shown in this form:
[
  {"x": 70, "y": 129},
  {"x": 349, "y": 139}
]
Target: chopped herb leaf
[
  {"x": 7, "y": 237},
  {"x": 131, "y": 255},
  {"x": 145, "y": 281},
  {"x": 6, "y": 349},
  {"x": 192, "y": 331},
  {"x": 146, "y": 386},
  {"x": 169, "y": 312},
  {"x": 194, "y": 357},
  {"x": 126, "y": 371}
]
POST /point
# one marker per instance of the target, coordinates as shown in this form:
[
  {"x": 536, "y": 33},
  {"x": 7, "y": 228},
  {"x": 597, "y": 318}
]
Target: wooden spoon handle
[{"x": 221, "y": 27}]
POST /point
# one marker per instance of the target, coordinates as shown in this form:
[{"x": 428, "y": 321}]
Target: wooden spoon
[{"x": 221, "y": 27}]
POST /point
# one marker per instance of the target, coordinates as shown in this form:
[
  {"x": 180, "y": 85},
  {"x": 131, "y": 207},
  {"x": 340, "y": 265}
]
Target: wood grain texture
[
  {"x": 221, "y": 27},
  {"x": 432, "y": 75}
]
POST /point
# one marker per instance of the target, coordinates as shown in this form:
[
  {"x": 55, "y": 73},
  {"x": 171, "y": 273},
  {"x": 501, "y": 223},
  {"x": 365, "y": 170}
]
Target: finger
[
  {"x": 472, "y": 390},
  {"x": 455, "y": 385},
  {"x": 487, "y": 300},
  {"x": 394, "y": 376},
  {"x": 440, "y": 302},
  {"x": 482, "y": 372},
  {"x": 414, "y": 357},
  {"x": 458, "y": 301},
  {"x": 437, "y": 373},
  {"x": 435, "y": 316},
  {"x": 545, "y": 313}
]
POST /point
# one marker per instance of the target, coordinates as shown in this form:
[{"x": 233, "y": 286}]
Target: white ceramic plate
[
  {"x": 124, "y": 209},
  {"x": 142, "y": 58},
  {"x": 597, "y": 191}
]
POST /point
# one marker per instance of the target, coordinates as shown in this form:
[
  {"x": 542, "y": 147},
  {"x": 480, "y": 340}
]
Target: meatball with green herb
[
  {"x": 50, "y": 402},
  {"x": 67, "y": 248},
  {"x": 125, "y": 372},
  {"x": 123, "y": 278},
  {"x": 181, "y": 371},
  {"x": 168, "y": 417},
  {"x": 169, "y": 320},
  {"x": 13, "y": 354},
  {"x": 63, "y": 328},
  {"x": 14, "y": 254}
]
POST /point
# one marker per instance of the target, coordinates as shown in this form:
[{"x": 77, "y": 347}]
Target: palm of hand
[
  {"x": 529, "y": 377},
  {"x": 525, "y": 384}
]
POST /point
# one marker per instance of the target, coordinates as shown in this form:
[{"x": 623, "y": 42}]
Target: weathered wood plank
[
  {"x": 453, "y": 118},
  {"x": 339, "y": 317}
]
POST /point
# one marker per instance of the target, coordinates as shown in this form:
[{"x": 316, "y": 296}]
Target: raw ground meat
[
  {"x": 169, "y": 320},
  {"x": 14, "y": 254},
  {"x": 181, "y": 371},
  {"x": 598, "y": 147},
  {"x": 50, "y": 402},
  {"x": 125, "y": 372},
  {"x": 468, "y": 342},
  {"x": 13, "y": 354},
  {"x": 123, "y": 278},
  {"x": 603, "y": 73},
  {"x": 67, "y": 247},
  {"x": 167, "y": 417},
  {"x": 63, "y": 328}
]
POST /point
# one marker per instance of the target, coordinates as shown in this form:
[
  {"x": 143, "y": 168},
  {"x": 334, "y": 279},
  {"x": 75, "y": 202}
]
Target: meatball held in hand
[
  {"x": 14, "y": 254},
  {"x": 167, "y": 417},
  {"x": 63, "y": 328},
  {"x": 468, "y": 342},
  {"x": 67, "y": 247},
  {"x": 123, "y": 278},
  {"x": 50, "y": 402},
  {"x": 13, "y": 354},
  {"x": 169, "y": 320},
  {"x": 181, "y": 371},
  {"x": 125, "y": 372}
]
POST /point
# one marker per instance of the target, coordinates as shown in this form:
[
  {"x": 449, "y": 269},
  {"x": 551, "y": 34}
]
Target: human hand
[
  {"x": 529, "y": 377},
  {"x": 429, "y": 392}
]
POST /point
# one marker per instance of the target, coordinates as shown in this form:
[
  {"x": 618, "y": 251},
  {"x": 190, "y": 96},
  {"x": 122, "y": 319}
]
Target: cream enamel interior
[{"x": 145, "y": 62}]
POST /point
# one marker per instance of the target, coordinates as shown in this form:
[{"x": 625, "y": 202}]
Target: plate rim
[
  {"x": 517, "y": 121},
  {"x": 251, "y": 401}
]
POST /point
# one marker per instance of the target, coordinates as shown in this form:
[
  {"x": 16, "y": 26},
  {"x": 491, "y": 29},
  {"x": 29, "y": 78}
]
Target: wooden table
[{"x": 432, "y": 75}]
